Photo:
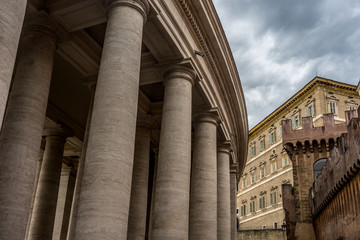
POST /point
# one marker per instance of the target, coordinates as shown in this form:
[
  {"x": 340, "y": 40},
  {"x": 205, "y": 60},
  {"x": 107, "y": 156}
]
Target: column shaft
[
  {"x": 43, "y": 216},
  {"x": 171, "y": 201},
  {"x": 203, "y": 196},
  {"x": 38, "y": 169},
  {"x": 139, "y": 186},
  {"x": 233, "y": 205},
  {"x": 106, "y": 184},
  {"x": 63, "y": 207},
  {"x": 223, "y": 194},
  {"x": 91, "y": 83},
  {"x": 22, "y": 129},
  {"x": 12, "y": 16}
]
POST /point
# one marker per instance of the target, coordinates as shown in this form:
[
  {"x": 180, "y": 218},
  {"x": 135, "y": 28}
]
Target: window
[
  {"x": 318, "y": 166},
  {"x": 261, "y": 145},
  {"x": 237, "y": 211},
  {"x": 272, "y": 137},
  {"x": 262, "y": 202},
  {"x": 244, "y": 182},
  {"x": 332, "y": 107},
  {"x": 243, "y": 210},
  {"x": 296, "y": 121},
  {"x": 310, "y": 110},
  {"x": 285, "y": 160},
  {"x": 273, "y": 166},
  {"x": 253, "y": 177},
  {"x": 272, "y": 197},
  {"x": 262, "y": 171},
  {"x": 351, "y": 107},
  {"x": 252, "y": 206},
  {"x": 252, "y": 150},
  {"x": 275, "y": 225}
]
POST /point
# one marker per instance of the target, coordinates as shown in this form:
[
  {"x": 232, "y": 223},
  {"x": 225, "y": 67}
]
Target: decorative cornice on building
[
  {"x": 253, "y": 168},
  {"x": 262, "y": 193},
  {"x": 273, "y": 157},
  {"x": 317, "y": 81},
  {"x": 252, "y": 197},
  {"x": 285, "y": 181},
  {"x": 273, "y": 188},
  {"x": 262, "y": 163},
  {"x": 244, "y": 201}
]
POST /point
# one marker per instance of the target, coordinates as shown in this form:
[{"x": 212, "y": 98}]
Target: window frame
[
  {"x": 243, "y": 210},
  {"x": 273, "y": 166},
  {"x": 253, "y": 177},
  {"x": 273, "y": 197},
  {"x": 262, "y": 171},
  {"x": 262, "y": 203},
  {"x": 252, "y": 206}
]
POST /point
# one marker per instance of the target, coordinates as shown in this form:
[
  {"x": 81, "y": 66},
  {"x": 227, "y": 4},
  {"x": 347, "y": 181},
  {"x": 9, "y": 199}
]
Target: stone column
[
  {"x": 43, "y": 216},
  {"x": 22, "y": 129},
  {"x": 233, "y": 204},
  {"x": 203, "y": 196},
  {"x": 38, "y": 168},
  {"x": 223, "y": 192},
  {"x": 90, "y": 82},
  {"x": 12, "y": 16},
  {"x": 106, "y": 184},
  {"x": 139, "y": 186},
  {"x": 172, "y": 189},
  {"x": 63, "y": 207}
]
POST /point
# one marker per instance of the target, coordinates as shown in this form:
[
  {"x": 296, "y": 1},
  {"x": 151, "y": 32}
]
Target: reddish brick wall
[{"x": 336, "y": 192}]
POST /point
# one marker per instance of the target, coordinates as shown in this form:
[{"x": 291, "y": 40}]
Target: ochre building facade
[
  {"x": 121, "y": 119},
  {"x": 268, "y": 166}
]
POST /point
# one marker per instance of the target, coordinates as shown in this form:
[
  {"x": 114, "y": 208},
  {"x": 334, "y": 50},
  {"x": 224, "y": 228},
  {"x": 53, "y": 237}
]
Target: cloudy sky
[{"x": 280, "y": 45}]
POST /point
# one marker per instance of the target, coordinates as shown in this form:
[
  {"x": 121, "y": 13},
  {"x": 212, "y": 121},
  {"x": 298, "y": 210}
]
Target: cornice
[{"x": 317, "y": 81}]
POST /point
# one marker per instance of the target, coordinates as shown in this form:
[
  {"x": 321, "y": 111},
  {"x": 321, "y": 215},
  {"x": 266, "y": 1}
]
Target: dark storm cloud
[{"x": 280, "y": 45}]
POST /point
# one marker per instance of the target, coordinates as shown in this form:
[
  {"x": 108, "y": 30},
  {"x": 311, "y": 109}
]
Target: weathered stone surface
[
  {"x": 12, "y": 17},
  {"x": 43, "y": 215},
  {"x": 203, "y": 195},
  {"x": 172, "y": 187},
  {"x": 224, "y": 215},
  {"x": 22, "y": 129},
  {"x": 139, "y": 185},
  {"x": 106, "y": 184}
]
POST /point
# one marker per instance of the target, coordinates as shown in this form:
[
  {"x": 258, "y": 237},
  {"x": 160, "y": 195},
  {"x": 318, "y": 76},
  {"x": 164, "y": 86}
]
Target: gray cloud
[{"x": 280, "y": 45}]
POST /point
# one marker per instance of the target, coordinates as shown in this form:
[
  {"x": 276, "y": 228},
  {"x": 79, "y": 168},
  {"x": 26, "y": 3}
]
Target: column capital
[
  {"x": 142, "y": 6},
  {"x": 211, "y": 116},
  {"x": 57, "y": 130},
  {"x": 224, "y": 146},
  {"x": 180, "y": 71},
  {"x": 42, "y": 23}
]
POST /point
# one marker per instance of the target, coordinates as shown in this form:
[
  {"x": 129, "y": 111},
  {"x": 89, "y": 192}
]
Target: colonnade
[{"x": 194, "y": 192}]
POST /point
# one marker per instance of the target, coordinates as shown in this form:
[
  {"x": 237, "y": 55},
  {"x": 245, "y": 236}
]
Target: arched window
[{"x": 318, "y": 165}]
